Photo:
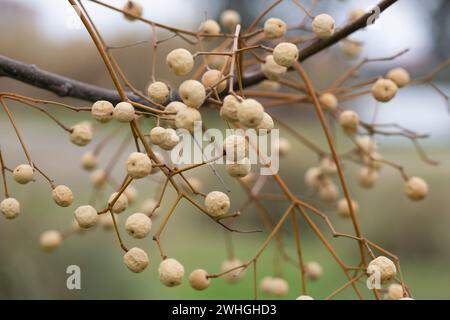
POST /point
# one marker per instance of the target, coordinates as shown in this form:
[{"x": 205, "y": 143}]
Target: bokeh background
[{"x": 43, "y": 32}]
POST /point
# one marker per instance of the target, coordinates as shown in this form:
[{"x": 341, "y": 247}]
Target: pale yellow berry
[
  {"x": 285, "y": 54},
  {"x": 382, "y": 267},
  {"x": 10, "y": 208},
  {"x": 323, "y": 25},
  {"x": 269, "y": 85},
  {"x": 149, "y": 208},
  {"x": 89, "y": 161},
  {"x": 304, "y": 297},
  {"x": 275, "y": 286},
  {"x": 136, "y": 260},
  {"x": 230, "y": 19},
  {"x": 171, "y": 139},
  {"x": 157, "y": 135},
  {"x": 313, "y": 177},
  {"x": 367, "y": 177},
  {"x": 349, "y": 120},
  {"x": 102, "y": 111},
  {"x": 416, "y": 188},
  {"x": 236, "y": 274},
  {"x": 98, "y": 178},
  {"x": 265, "y": 125},
  {"x": 374, "y": 160},
  {"x": 158, "y": 92},
  {"x": 81, "y": 134},
  {"x": 329, "y": 102},
  {"x": 50, "y": 240},
  {"x": 180, "y": 61},
  {"x": 138, "y": 165},
  {"x": 199, "y": 280},
  {"x": 250, "y": 113},
  {"x": 384, "y": 90},
  {"x": 121, "y": 203},
  {"x": 343, "y": 209},
  {"x": 187, "y": 119},
  {"x": 132, "y": 9},
  {"x": 174, "y": 107},
  {"x": 106, "y": 221},
  {"x": 235, "y": 147},
  {"x": 394, "y": 292},
  {"x": 356, "y": 13},
  {"x": 216, "y": 61},
  {"x": 366, "y": 144},
  {"x": 400, "y": 76},
  {"x": 328, "y": 191},
  {"x": 229, "y": 109},
  {"x": 209, "y": 27},
  {"x": 62, "y": 196},
  {"x": 171, "y": 272},
  {"x": 131, "y": 193},
  {"x": 193, "y": 93},
  {"x": 328, "y": 166},
  {"x": 138, "y": 225},
  {"x": 284, "y": 146},
  {"x": 23, "y": 173},
  {"x": 124, "y": 112},
  {"x": 217, "y": 204},
  {"x": 272, "y": 70},
  {"x": 239, "y": 169},
  {"x": 274, "y": 28},
  {"x": 86, "y": 216},
  {"x": 351, "y": 48},
  {"x": 214, "y": 78},
  {"x": 313, "y": 270}
]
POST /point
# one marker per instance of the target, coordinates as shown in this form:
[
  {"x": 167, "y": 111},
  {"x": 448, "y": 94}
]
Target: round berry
[
  {"x": 148, "y": 207},
  {"x": 313, "y": 177},
  {"x": 186, "y": 119},
  {"x": 384, "y": 90},
  {"x": 272, "y": 70},
  {"x": 323, "y": 25},
  {"x": 214, "y": 78},
  {"x": 136, "y": 260},
  {"x": 193, "y": 93},
  {"x": 400, "y": 76},
  {"x": 385, "y": 268},
  {"x": 239, "y": 169},
  {"x": 50, "y": 240},
  {"x": 349, "y": 120},
  {"x": 229, "y": 109},
  {"x": 284, "y": 146},
  {"x": 416, "y": 189},
  {"x": 313, "y": 270},
  {"x": 138, "y": 165},
  {"x": 171, "y": 139},
  {"x": 356, "y": 13},
  {"x": 132, "y": 9},
  {"x": 62, "y": 196},
  {"x": 157, "y": 135},
  {"x": 250, "y": 113},
  {"x": 217, "y": 204},
  {"x": 199, "y": 280},
  {"x": 328, "y": 167},
  {"x": 23, "y": 173},
  {"x": 10, "y": 208},
  {"x": 124, "y": 112},
  {"x": 86, "y": 216},
  {"x": 269, "y": 85},
  {"x": 158, "y": 92},
  {"x": 121, "y": 203},
  {"x": 209, "y": 27},
  {"x": 351, "y": 48},
  {"x": 274, "y": 28},
  {"x": 367, "y": 177},
  {"x": 235, "y": 147},
  {"x": 329, "y": 102},
  {"x": 236, "y": 274},
  {"x": 394, "y": 292},
  {"x": 328, "y": 191},
  {"x": 265, "y": 125},
  {"x": 102, "y": 111},
  {"x": 89, "y": 161},
  {"x": 138, "y": 225},
  {"x": 230, "y": 19},
  {"x": 81, "y": 134},
  {"x": 180, "y": 61},
  {"x": 304, "y": 297},
  {"x": 343, "y": 209},
  {"x": 171, "y": 272},
  {"x": 285, "y": 54}
]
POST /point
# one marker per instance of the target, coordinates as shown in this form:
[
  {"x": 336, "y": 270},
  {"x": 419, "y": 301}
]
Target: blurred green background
[{"x": 417, "y": 232}]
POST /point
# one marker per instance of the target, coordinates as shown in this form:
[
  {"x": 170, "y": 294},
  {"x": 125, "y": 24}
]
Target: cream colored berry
[
  {"x": 98, "y": 178},
  {"x": 284, "y": 146},
  {"x": 86, "y": 216},
  {"x": 209, "y": 27},
  {"x": 10, "y": 208},
  {"x": 250, "y": 113},
  {"x": 187, "y": 119},
  {"x": 382, "y": 267},
  {"x": 349, "y": 120},
  {"x": 180, "y": 61},
  {"x": 131, "y": 193},
  {"x": 367, "y": 177},
  {"x": 81, "y": 134},
  {"x": 229, "y": 109},
  {"x": 138, "y": 225},
  {"x": 400, "y": 76},
  {"x": 343, "y": 209},
  {"x": 329, "y": 102},
  {"x": 171, "y": 139},
  {"x": 214, "y": 78},
  {"x": 216, "y": 61},
  {"x": 236, "y": 274},
  {"x": 239, "y": 169},
  {"x": 102, "y": 111},
  {"x": 269, "y": 85},
  {"x": 265, "y": 125},
  {"x": 132, "y": 9},
  {"x": 23, "y": 173},
  {"x": 366, "y": 144},
  {"x": 328, "y": 166},
  {"x": 199, "y": 280},
  {"x": 174, "y": 107},
  {"x": 217, "y": 204},
  {"x": 235, "y": 147},
  {"x": 106, "y": 221},
  {"x": 89, "y": 161},
  {"x": 374, "y": 160},
  {"x": 313, "y": 177},
  {"x": 356, "y": 13},
  {"x": 121, "y": 203},
  {"x": 50, "y": 240},
  {"x": 285, "y": 54},
  {"x": 416, "y": 189},
  {"x": 272, "y": 70},
  {"x": 304, "y": 297},
  {"x": 62, "y": 196},
  {"x": 149, "y": 208},
  {"x": 230, "y": 19},
  {"x": 124, "y": 112},
  {"x": 193, "y": 93},
  {"x": 313, "y": 270},
  {"x": 328, "y": 191},
  {"x": 136, "y": 259},
  {"x": 157, "y": 135},
  {"x": 323, "y": 25},
  {"x": 171, "y": 272},
  {"x": 275, "y": 286},
  {"x": 384, "y": 90},
  {"x": 138, "y": 165},
  {"x": 351, "y": 48},
  {"x": 158, "y": 92},
  {"x": 274, "y": 28},
  {"x": 394, "y": 292}
]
